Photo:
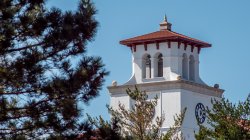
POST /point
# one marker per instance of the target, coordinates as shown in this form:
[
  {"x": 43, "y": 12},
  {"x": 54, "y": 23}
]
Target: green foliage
[
  {"x": 106, "y": 130},
  {"x": 228, "y": 121},
  {"x": 44, "y": 71},
  {"x": 132, "y": 124},
  {"x": 140, "y": 122}
]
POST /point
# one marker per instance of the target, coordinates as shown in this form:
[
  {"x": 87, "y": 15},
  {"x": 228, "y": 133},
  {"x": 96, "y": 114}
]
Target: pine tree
[
  {"x": 44, "y": 70},
  {"x": 228, "y": 121},
  {"x": 104, "y": 130}
]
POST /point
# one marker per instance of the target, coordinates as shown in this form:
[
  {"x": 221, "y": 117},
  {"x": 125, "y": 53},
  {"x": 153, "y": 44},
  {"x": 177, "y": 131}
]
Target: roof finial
[
  {"x": 165, "y": 18},
  {"x": 165, "y": 25}
]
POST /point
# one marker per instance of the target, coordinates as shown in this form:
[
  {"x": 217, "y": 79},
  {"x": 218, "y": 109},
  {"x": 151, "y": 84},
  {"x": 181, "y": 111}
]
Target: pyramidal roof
[{"x": 165, "y": 34}]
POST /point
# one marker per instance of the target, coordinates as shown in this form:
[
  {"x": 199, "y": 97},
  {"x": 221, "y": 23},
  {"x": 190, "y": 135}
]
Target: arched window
[
  {"x": 160, "y": 66},
  {"x": 185, "y": 66},
  {"x": 191, "y": 68},
  {"x": 146, "y": 67}
]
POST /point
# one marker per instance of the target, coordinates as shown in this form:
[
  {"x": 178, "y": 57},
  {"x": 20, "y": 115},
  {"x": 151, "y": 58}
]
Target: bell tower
[
  {"x": 165, "y": 55},
  {"x": 166, "y": 64}
]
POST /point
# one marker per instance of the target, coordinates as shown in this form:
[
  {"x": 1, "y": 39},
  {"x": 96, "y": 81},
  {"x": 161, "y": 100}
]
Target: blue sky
[{"x": 225, "y": 24}]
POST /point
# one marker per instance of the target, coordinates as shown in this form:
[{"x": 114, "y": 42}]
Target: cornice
[{"x": 169, "y": 85}]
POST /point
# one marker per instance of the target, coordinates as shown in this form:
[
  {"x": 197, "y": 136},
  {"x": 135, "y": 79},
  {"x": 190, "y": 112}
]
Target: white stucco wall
[
  {"x": 120, "y": 98},
  {"x": 172, "y": 62},
  {"x": 172, "y": 101},
  {"x": 189, "y": 100},
  {"x": 170, "y": 107}
]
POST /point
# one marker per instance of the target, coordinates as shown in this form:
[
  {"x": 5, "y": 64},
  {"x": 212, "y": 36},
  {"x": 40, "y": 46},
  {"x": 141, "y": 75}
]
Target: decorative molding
[
  {"x": 185, "y": 46},
  {"x": 199, "y": 50},
  {"x": 179, "y": 44},
  {"x": 169, "y": 85},
  {"x": 145, "y": 47},
  {"x": 157, "y": 45},
  {"x": 169, "y": 44},
  {"x": 134, "y": 47},
  {"x": 192, "y": 48}
]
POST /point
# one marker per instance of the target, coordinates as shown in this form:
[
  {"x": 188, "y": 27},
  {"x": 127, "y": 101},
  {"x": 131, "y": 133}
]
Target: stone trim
[{"x": 169, "y": 85}]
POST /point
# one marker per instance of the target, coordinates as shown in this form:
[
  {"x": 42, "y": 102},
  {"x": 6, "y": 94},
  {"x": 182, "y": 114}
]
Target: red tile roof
[{"x": 161, "y": 36}]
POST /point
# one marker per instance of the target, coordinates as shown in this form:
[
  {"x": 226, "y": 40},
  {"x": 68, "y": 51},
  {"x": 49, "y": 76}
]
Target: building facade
[{"x": 166, "y": 64}]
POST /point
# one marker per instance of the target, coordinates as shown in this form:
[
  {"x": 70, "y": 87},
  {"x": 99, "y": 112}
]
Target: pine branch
[
  {"x": 18, "y": 92},
  {"x": 24, "y": 48}
]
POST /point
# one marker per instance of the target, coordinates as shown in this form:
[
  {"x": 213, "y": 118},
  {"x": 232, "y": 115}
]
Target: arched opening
[
  {"x": 146, "y": 66},
  {"x": 185, "y": 66},
  {"x": 160, "y": 66},
  {"x": 191, "y": 68}
]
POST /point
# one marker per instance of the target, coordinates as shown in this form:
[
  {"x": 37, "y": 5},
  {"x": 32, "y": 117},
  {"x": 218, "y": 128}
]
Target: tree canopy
[
  {"x": 139, "y": 121},
  {"x": 45, "y": 73},
  {"x": 227, "y": 121}
]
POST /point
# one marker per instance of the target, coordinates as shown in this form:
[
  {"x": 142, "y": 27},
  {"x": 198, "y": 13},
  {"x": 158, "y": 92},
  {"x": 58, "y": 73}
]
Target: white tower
[{"x": 166, "y": 64}]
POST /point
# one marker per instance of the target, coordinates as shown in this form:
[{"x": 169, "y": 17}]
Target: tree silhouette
[{"x": 44, "y": 70}]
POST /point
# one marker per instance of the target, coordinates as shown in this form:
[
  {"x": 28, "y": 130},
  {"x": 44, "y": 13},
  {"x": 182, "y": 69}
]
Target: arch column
[
  {"x": 148, "y": 67},
  {"x": 154, "y": 67}
]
